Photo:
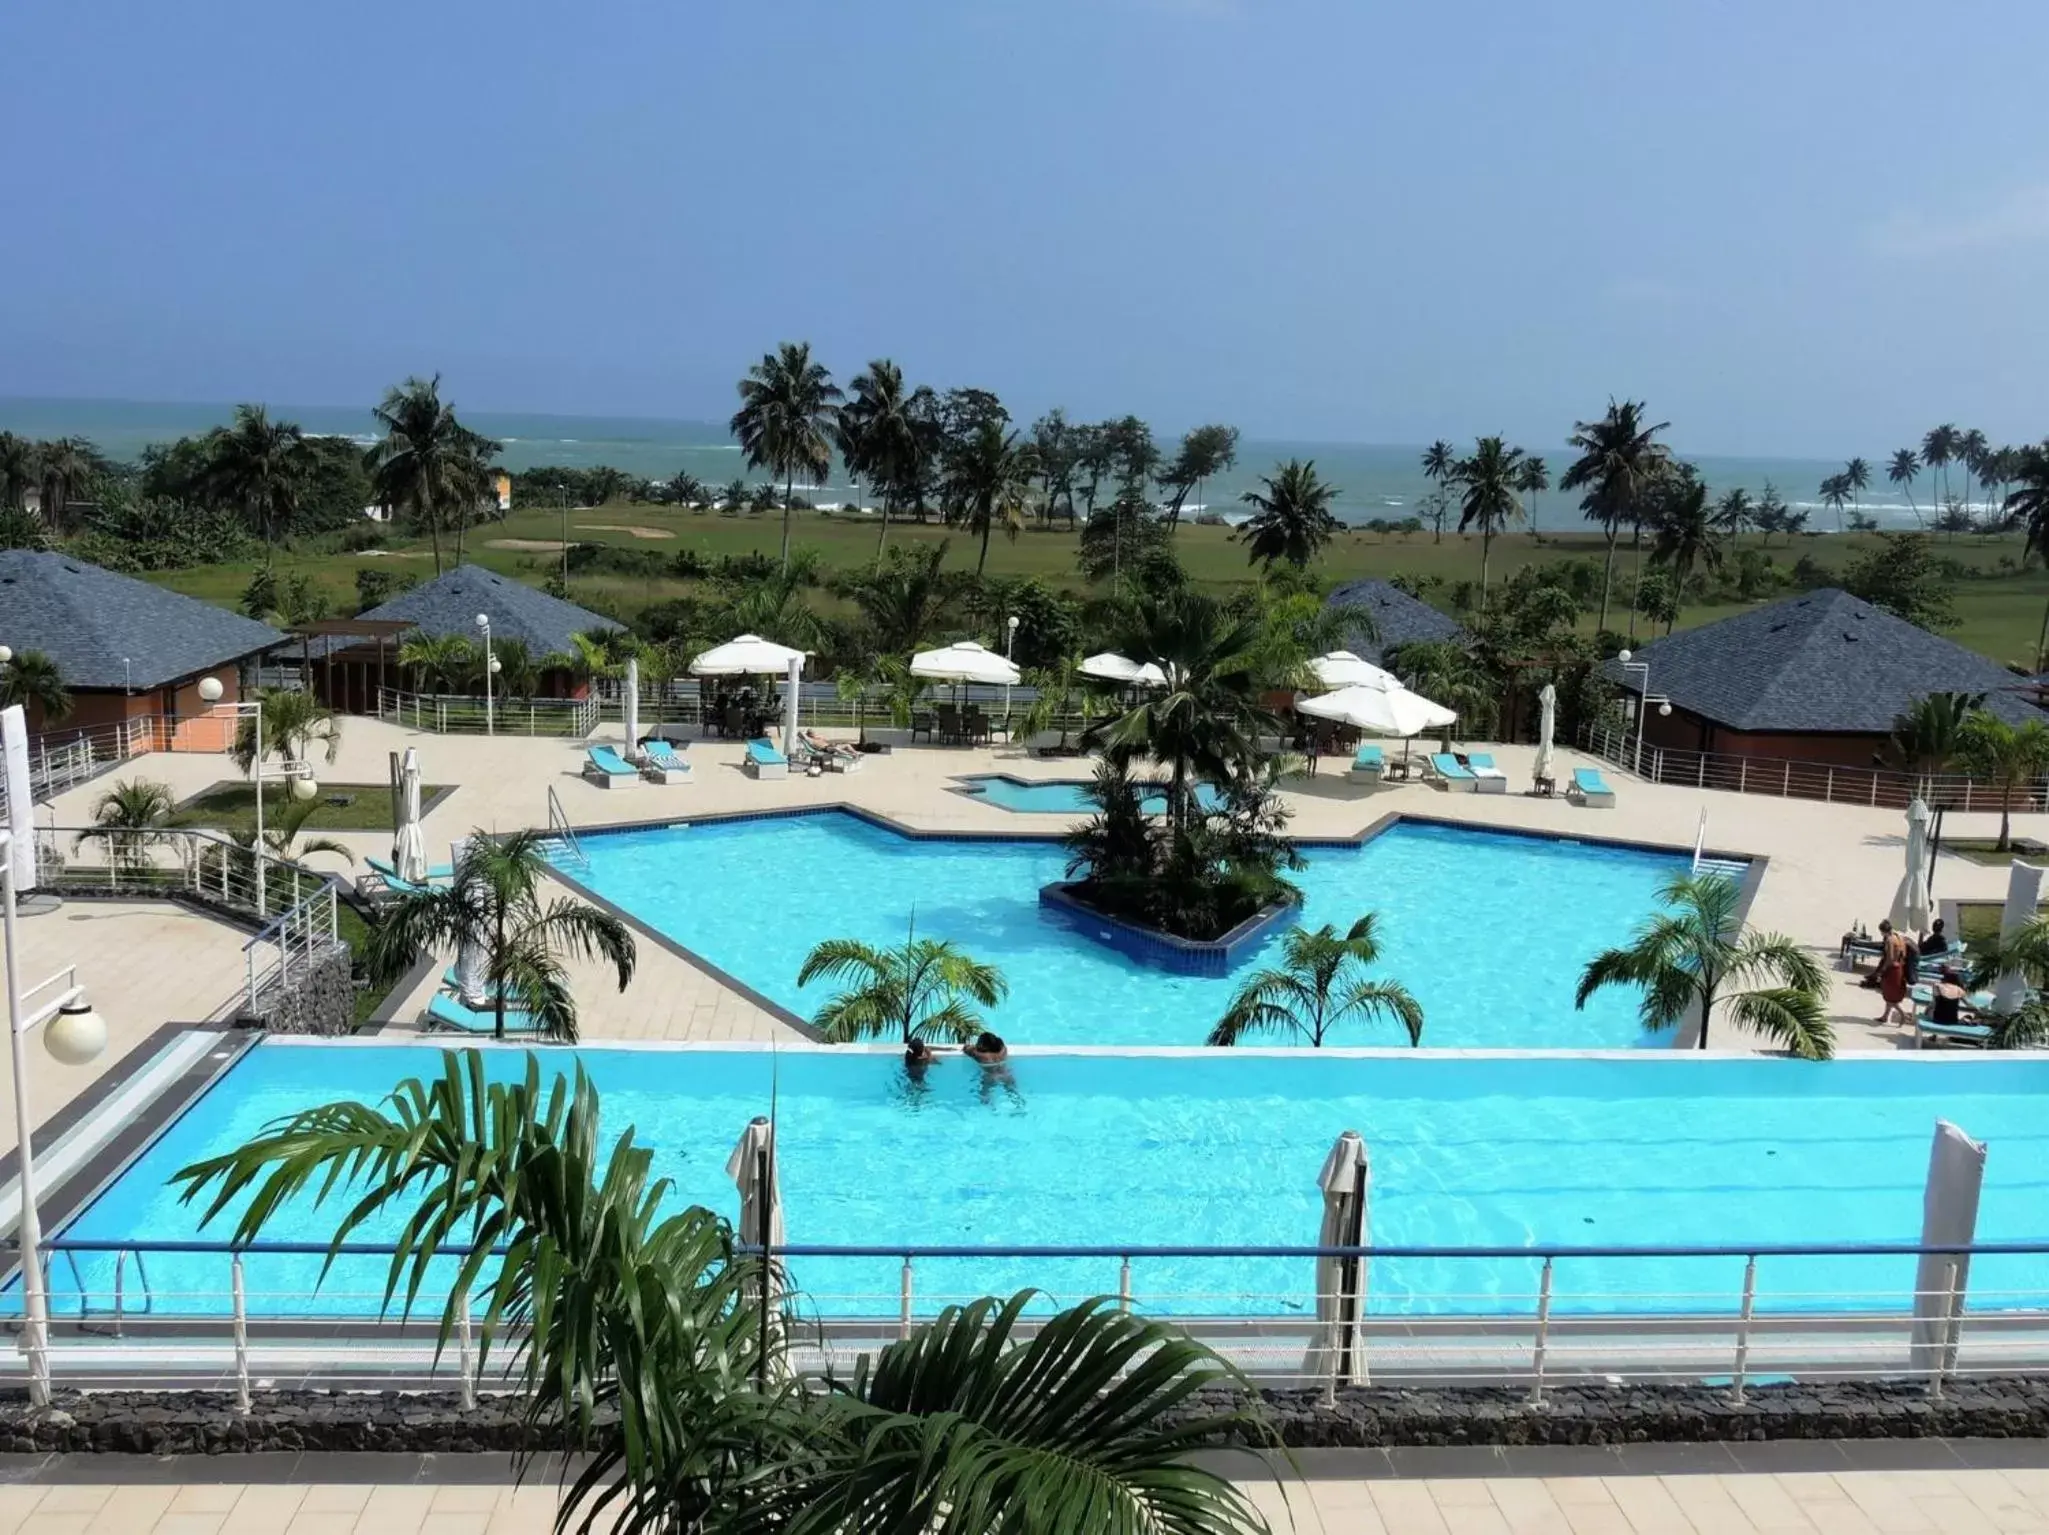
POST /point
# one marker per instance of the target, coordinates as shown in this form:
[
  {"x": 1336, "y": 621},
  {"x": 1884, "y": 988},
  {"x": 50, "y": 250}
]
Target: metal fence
[
  {"x": 206, "y": 866},
  {"x": 1806, "y": 780},
  {"x": 164, "y": 1313},
  {"x": 288, "y": 949},
  {"x": 463, "y": 714}
]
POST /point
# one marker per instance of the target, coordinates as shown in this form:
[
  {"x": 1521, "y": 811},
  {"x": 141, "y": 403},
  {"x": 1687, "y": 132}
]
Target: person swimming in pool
[
  {"x": 987, "y": 1048},
  {"x": 918, "y": 1059}
]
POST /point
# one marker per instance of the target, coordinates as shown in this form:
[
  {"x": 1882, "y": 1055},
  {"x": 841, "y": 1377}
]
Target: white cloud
[{"x": 2021, "y": 218}]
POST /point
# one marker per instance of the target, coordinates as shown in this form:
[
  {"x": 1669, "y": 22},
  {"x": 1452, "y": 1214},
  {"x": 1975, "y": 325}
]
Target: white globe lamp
[
  {"x": 497, "y": 666},
  {"x": 76, "y": 1035},
  {"x": 210, "y": 689},
  {"x": 304, "y": 787},
  {"x": 1622, "y": 656},
  {"x": 6, "y": 655},
  {"x": 483, "y": 620}
]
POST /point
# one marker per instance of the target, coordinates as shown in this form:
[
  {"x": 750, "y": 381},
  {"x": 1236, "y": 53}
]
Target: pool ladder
[
  {"x": 120, "y": 1288},
  {"x": 562, "y": 833}
]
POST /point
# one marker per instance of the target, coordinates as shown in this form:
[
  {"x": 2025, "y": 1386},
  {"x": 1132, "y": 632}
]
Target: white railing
[
  {"x": 286, "y": 951},
  {"x": 463, "y": 714},
  {"x": 1837, "y": 784},
  {"x": 563, "y": 832},
  {"x": 172, "y": 861}
]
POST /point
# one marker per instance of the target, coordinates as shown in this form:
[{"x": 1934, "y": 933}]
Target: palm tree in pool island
[
  {"x": 785, "y": 423},
  {"x": 927, "y": 987},
  {"x": 1319, "y": 985},
  {"x": 494, "y": 904},
  {"x": 1697, "y": 955}
]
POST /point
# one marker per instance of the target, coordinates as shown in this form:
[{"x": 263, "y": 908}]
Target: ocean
[{"x": 1373, "y": 480}]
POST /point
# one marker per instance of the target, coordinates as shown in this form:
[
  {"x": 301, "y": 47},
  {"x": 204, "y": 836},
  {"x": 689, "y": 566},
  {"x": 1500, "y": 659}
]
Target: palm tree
[
  {"x": 1617, "y": 456},
  {"x": 1856, "y": 478},
  {"x": 493, "y": 904},
  {"x": 1735, "y": 513},
  {"x": 1974, "y": 452},
  {"x": 635, "y": 1335},
  {"x": 2028, "y": 504},
  {"x": 2010, "y": 756},
  {"x": 882, "y": 417},
  {"x": 1692, "y": 957},
  {"x": 1317, "y": 986},
  {"x": 19, "y": 471},
  {"x": 1205, "y": 723},
  {"x": 259, "y": 466},
  {"x": 130, "y": 818},
  {"x": 1205, "y": 451},
  {"x": 1446, "y": 672},
  {"x": 926, "y": 987},
  {"x": 1903, "y": 470},
  {"x": 1439, "y": 459},
  {"x": 1835, "y": 495},
  {"x": 1490, "y": 482},
  {"x": 32, "y": 680},
  {"x": 427, "y": 457},
  {"x": 1928, "y": 737},
  {"x": 785, "y": 420},
  {"x": 990, "y": 477},
  {"x": 1687, "y": 534},
  {"x": 1291, "y": 520},
  {"x": 66, "y": 466},
  {"x": 1534, "y": 479},
  {"x": 443, "y": 661},
  {"x": 904, "y": 600},
  {"x": 1938, "y": 448},
  {"x": 294, "y": 722}
]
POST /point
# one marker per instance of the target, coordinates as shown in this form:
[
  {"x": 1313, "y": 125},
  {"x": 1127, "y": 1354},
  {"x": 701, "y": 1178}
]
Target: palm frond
[{"x": 1790, "y": 1016}]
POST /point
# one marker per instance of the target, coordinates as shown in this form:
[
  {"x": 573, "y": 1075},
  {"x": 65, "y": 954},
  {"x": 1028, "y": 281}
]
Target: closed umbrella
[
  {"x": 409, "y": 842},
  {"x": 1342, "y": 669},
  {"x": 1910, "y": 902},
  {"x": 1336, "y": 1357},
  {"x": 2023, "y": 902},
  {"x": 631, "y": 705},
  {"x": 1547, "y": 727},
  {"x": 1949, "y": 1218}
]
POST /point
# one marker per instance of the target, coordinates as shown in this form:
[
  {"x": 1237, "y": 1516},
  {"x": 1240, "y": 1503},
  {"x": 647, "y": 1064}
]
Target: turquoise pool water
[
  {"x": 1224, "y": 1150},
  {"x": 1065, "y": 798},
  {"x": 1489, "y": 930}
]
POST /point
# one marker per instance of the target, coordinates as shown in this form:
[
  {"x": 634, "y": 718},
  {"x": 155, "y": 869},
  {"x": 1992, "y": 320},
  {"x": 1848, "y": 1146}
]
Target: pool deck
[{"x": 1829, "y": 864}]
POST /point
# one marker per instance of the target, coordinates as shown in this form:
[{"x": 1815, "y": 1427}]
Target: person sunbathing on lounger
[{"x": 819, "y": 744}]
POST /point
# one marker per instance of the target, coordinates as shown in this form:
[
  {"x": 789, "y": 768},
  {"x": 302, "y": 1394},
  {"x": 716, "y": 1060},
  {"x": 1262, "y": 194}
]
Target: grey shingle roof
[
  {"x": 87, "y": 620},
  {"x": 1398, "y": 618},
  {"x": 1821, "y": 662},
  {"x": 450, "y": 603}
]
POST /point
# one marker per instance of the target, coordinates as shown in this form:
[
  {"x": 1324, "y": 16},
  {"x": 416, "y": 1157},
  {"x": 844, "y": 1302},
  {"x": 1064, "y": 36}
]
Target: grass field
[
  {"x": 232, "y": 807},
  {"x": 2000, "y": 611}
]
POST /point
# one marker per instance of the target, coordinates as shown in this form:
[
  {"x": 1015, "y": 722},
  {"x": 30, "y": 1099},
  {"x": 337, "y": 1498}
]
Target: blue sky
[{"x": 1814, "y": 227}]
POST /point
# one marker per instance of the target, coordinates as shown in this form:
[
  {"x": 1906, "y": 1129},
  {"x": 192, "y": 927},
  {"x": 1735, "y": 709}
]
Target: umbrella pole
[
  {"x": 1348, "y": 1287},
  {"x": 766, "y": 1219}
]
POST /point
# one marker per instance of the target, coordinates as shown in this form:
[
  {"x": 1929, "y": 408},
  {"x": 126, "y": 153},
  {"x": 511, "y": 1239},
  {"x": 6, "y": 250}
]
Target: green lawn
[
  {"x": 2000, "y": 607},
  {"x": 1981, "y": 851},
  {"x": 232, "y": 807}
]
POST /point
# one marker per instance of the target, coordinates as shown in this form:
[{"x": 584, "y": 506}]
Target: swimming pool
[
  {"x": 1086, "y": 1149},
  {"x": 1490, "y": 930},
  {"x": 1061, "y": 797}
]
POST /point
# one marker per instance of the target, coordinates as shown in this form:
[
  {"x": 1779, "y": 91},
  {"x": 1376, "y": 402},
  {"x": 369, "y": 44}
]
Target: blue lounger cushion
[
  {"x": 389, "y": 872},
  {"x": 763, "y": 751},
  {"x": 1448, "y": 766},
  {"x": 661, "y": 754},
  {"x": 1368, "y": 757},
  {"x": 610, "y": 763},
  {"x": 1478, "y": 760},
  {"x": 1590, "y": 781},
  {"x": 450, "y": 1012}
]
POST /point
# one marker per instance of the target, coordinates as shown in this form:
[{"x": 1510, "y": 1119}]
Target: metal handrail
[{"x": 558, "y": 825}]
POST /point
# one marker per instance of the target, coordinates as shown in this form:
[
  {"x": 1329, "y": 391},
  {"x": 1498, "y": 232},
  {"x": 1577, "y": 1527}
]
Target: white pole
[
  {"x": 34, "y": 1300},
  {"x": 796, "y": 680},
  {"x": 262, "y": 910}
]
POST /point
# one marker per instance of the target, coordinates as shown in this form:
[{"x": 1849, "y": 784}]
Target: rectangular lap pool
[{"x": 1218, "y": 1149}]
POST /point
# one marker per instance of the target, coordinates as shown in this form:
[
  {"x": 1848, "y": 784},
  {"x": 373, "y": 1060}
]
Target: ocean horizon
[{"x": 1373, "y": 479}]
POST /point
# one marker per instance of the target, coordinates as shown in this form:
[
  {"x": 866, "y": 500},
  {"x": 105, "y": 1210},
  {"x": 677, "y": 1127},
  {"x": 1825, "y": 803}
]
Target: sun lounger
[
  {"x": 606, "y": 768},
  {"x": 662, "y": 763},
  {"x": 764, "y": 761},
  {"x": 1590, "y": 788},
  {"x": 1452, "y": 773},
  {"x": 452, "y": 1013},
  {"x": 390, "y": 875},
  {"x": 833, "y": 756},
  {"x": 1487, "y": 778},
  {"x": 1973, "y": 1036},
  {"x": 1368, "y": 763}
]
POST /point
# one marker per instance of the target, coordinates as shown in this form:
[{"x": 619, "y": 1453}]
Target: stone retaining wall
[
  {"x": 319, "y": 1000},
  {"x": 206, "y": 1422}
]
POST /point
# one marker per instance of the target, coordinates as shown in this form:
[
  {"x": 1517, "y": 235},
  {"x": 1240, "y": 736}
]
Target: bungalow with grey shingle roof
[
  {"x": 128, "y": 651},
  {"x": 346, "y": 673},
  {"x": 1816, "y": 678},
  {"x": 1398, "y": 618}
]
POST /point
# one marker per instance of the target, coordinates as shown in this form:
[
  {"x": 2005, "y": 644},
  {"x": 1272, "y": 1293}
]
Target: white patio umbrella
[
  {"x": 1342, "y": 669},
  {"x": 746, "y": 655},
  {"x": 1336, "y": 1357},
  {"x": 472, "y": 964},
  {"x": 409, "y": 842},
  {"x": 1547, "y": 727},
  {"x": 1110, "y": 667},
  {"x": 631, "y": 705},
  {"x": 1383, "y": 711},
  {"x": 965, "y": 662},
  {"x": 1949, "y": 1218},
  {"x": 1910, "y": 902},
  {"x": 1150, "y": 676}
]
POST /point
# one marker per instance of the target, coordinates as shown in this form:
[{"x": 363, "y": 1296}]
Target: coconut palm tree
[
  {"x": 2028, "y": 505},
  {"x": 443, "y": 662},
  {"x": 1973, "y": 452},
  {"x": 904, "y": 599},
  {"x": 20, "y": 471},
  {"x": 1698, "y": 955},
  {"x": 1856, "y": 479},
  {"x": 294, "y": 722},
  {"x": 1534, "y": 479},
  {"x": 33, "y": 680},
  {"x": 882, "y": 417},
  {"x": 1617, "y": 457},
  {"x": 927, "y": 987},
  {"x": 1291, "y": 519},
  {"x": 787, "y": 407},
  {"x": 130, "y": 818},
  {"x": 1439, "y": 459},
  {"x": 2007, "y": 755},
  {"x": 66, "y": 467},
  {"x": 258, "y": 466},
  {"x": 1928, "y": 737},
  {"x": 1446, "y": 672},
  {"x": 1489, "y": 484},
  {"x": 1835, "y": 495},
  {"x": 427, "y": 459},
  {"x": 493, "y": 904},
  {"x": 990, "y": 478},
  {"x": 1735, "y": 513},
  {"x": 1903, "y": 470},
  {"x": 1938, "y": 450},
  {"x": 1318, "y": 986},
  {"x": 635, "y": 1335},
  {"x": 1688, "y": 536}
]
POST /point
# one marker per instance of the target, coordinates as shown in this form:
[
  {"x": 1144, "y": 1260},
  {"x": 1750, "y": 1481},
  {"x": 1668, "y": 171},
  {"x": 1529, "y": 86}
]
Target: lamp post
[
  {"x": 1009, "y": 642},
  {"x": 1645, "y": 698},
  {"x": 298, "y": 774},
  {"x": 490, "y": 669},
  {"x": 76, "y": 1034}
]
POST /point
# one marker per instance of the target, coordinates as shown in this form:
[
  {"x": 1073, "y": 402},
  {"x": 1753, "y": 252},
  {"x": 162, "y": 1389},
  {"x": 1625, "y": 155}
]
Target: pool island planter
[{"x": 1166, "y": 951}]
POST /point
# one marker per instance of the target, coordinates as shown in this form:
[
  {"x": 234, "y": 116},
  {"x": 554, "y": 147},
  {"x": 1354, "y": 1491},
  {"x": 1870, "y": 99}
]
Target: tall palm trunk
[
  {"x": 433, "y": 524},
  {"x": 1636, "y": 548},
  {"x": 882, "y": 537},
  {"x": 1486, "y": 552},
  {"x": 2042, "y": 642},
  {"x": 988, "y": 518},
  {"x": 1607, "y": 578},
  {"x": 789, "y": 484},
  {"x": 498, "y": 991}
]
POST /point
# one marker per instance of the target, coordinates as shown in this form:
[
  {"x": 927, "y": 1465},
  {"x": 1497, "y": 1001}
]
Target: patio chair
[
  {"x": 732, "y": 722},
  {"x": 1453, "y": 774},
  {"x": 662, "y": 763},
  {"x": 436, "y": 873},
  {"x": 975, "y": 725},
  {"x": 922, "y": 724},
  {"x": 1487, "y": 778},
  {"x": 950, "y": 729},
  {"x": 833, "y": 756},
  {"x": 764, "y": 761},
  {"x": 1368, "y": 763},
  {"x": 1590, "y": 788},
  {"x": 606, "y": 768},
  {"x": 445, "y": 1011}
]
